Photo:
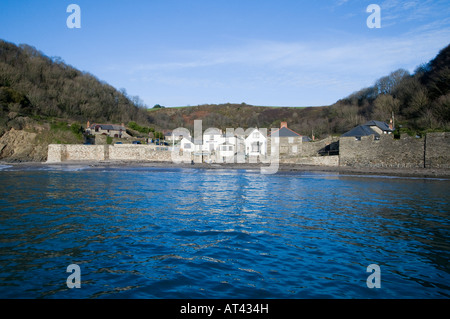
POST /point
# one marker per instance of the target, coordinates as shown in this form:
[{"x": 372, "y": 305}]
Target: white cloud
[
  {"x": 399, "y": 12},
  {"x": 275, "y": 69},
  {"x": 359, "y": 55}
]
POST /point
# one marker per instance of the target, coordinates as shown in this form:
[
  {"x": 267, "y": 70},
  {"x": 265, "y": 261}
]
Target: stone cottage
[
  {"x": 112, "y": 130},
  {"x": 289, "y": 142}
]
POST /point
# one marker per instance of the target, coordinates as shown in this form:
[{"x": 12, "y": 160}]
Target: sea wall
[
  {"x": 74, "y": 152},
  {"x": 437, "y": 150},
  {"x": 313, "y": 148},
  {"x": 118, "y": 152},
  {"x": 312, "y": 160},
  {"x": 431, "y": 151}
]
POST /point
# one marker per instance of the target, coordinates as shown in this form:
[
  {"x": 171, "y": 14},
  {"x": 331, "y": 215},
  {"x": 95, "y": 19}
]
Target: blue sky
[{"x": 261, "y": 52}]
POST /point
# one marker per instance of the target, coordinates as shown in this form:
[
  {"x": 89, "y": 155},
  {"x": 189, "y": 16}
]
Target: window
[
  {"x": 187, "y": 145},
  {"x": 290, "y": 140},
  {"x": 357, "y": 138},
  {"x": 294, "y": 149},
  {"x": 255, "y": 135}
]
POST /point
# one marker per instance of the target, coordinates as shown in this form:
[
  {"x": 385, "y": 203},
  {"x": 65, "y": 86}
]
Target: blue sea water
[{"x": 195, "y": 233}]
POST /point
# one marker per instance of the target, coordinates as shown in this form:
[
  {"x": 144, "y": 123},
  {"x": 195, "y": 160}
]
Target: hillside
[
  {"x": 420, "y": 102},
  {"x": 40, "y": 97},
  {"x": 34, "y": 85}
]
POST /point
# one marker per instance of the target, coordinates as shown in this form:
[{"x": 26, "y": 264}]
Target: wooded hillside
[{"x": 40, "y": 87}]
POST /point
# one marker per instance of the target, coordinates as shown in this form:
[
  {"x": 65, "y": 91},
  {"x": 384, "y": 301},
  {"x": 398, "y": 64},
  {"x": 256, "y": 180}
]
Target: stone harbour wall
[
  {"x": 313, "y": 148},
  {"x": 431, "y": 151},
  {"x": 117, "y": 152},
  {"x": 73, "y": 152},
  {"x": 437, "y": 150},
  {"x": 406, "y": 152},
  {"x": 312, "y": 160}
]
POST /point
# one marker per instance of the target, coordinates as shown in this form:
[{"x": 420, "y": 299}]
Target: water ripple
[{"x": 177, "y": 233}]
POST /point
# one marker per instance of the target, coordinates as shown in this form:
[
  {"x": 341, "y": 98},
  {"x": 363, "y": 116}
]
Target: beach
[{"x": 345, "y": 170}]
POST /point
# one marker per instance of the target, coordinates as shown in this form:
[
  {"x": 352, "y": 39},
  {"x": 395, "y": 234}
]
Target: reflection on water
[{"x": 189, "y": 233}]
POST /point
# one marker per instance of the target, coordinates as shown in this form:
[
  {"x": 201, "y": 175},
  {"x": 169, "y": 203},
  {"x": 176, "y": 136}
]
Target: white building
[
  {"x": 212, "y": 138},
  {"x": 187, "y": 144},
  {"x": 256, "y": 143},
  {"x": 227, "y": 148}
]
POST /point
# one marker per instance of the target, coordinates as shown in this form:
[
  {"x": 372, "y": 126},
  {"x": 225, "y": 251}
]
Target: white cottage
[
  {"x": 227, "y": 149},
  {"x": 212, "y": 138},
  {"x": 256, "y": 143}
]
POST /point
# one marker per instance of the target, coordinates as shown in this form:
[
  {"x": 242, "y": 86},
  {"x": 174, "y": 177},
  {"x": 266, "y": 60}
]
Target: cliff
[{"x": 21, "y": 146}]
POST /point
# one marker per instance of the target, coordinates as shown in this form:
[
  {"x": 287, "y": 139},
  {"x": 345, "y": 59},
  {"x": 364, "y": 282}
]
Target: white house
[
  {"x": 256, "y": 143},
  {"x": 177, "y": 135},
  {"x": 187, "y": 144},
  {"x": 227, "y": 149},
  {"x": 212, "y": 138}
]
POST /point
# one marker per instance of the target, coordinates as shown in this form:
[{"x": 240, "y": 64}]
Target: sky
[{"x": 259, "y": 52}]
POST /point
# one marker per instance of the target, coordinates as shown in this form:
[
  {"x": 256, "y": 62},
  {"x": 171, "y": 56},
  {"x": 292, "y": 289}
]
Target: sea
[{"x": 82, "y": 232}]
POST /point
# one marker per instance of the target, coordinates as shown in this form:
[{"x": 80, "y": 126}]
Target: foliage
[
  {"x": 142, "y": 129},
  {"x": 61, "y": 132},
  {"x": 159, "y": 135},
  {"x": 145, "y": 130},
  {"x": 34, "y": 84}
]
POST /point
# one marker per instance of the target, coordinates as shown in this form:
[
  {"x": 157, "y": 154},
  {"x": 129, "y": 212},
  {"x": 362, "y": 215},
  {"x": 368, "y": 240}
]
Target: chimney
[
  {"x": 283, "y": 124},
  {"x": 88, "y": 124}
]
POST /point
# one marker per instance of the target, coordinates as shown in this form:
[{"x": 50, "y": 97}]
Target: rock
[{"x": 19, "y": 145}]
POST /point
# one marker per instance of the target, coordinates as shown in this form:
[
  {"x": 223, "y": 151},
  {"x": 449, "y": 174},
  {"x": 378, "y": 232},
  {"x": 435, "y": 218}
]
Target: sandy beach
[{"x": 400, "y": 172}]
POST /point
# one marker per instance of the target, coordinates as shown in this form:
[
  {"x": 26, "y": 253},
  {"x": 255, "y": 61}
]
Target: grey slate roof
[
  {"x": 365, "y": 130},
  {"x": 362, "y": 130},
  {"x": 383, "y": 126},
  {"x": 108, "y": 127},
  {"x": 285, "y": 132}
]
